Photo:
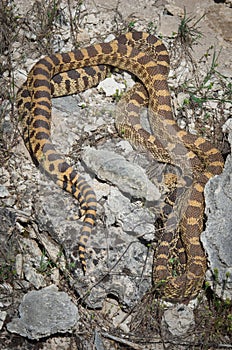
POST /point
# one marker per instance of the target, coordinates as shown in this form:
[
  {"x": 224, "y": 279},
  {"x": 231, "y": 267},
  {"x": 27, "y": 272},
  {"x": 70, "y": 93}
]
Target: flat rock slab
[
  {"x": 129, "y": 178},
  {"x": 43, "y": 313},
  {"x": 217, "y": 236},
  {"x": 178, "y": 319}
]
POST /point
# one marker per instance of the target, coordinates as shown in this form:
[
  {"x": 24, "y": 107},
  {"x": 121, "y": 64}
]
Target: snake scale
[{"x": 66, "y": 73}]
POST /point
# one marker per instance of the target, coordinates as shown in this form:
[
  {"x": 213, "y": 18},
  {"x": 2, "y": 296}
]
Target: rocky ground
[{"x": 43, "y": 304}]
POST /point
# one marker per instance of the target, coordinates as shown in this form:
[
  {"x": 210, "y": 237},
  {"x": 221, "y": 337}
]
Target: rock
[
  {"x": 178, "y": 319},
  {"x": 217, "y": 237},
  {"x": 181, "y": 123},
  {"x": 129, "y": 178},
  {"x": 175, "y": 10},
  {"x": 227, "y": 127},
  {"x": 112, "y": 310},
  {"x": 92, "y": 18},
  {"x": 109, "y": 38},
  {"x": 82, "y": 35},
  {"x": 3, "y": 315},
  {"x": 111, "y": 87},
  {"x": 98, "y": 343},
  {"x": 32, "y": 261},
  {"x": 43, "y": 313},
  {"x": 169, "y": 25},
  {"x": 4, "y": 192},
  {"x": 182, "y": 98},
  {"x": 129, "y": 81},
  {"x": 219, "y": 18},
  {"x": 125, "y": 146},
  {"x": 31, "y": 275},
  {"x": 212, "y": 104},
  {"x": 8, "y": 220}
]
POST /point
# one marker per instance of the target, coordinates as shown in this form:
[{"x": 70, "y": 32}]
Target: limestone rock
[
  {"x": 178, "y": 319},
  {"x": 217, "y": 236},
  {"x": 43, "y": 313},
  {"x": 129, "y": 178}
]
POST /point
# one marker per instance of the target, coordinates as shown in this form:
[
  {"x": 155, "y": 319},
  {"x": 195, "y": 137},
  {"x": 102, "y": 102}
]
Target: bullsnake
[{"x": 66, "y": 73}]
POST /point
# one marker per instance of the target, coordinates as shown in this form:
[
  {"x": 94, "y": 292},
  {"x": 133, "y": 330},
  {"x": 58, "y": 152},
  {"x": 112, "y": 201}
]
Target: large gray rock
[
  {"x": 43, "y": 313},
  {"x": 128, "y": 177},
  {"x": 217, "y": 238}
]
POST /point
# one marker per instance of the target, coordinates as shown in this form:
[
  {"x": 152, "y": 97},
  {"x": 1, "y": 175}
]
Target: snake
[{"x": 146, "y": 57}]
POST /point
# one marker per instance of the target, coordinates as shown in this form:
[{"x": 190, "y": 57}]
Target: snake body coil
[{"x": 66, "y": 73}]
